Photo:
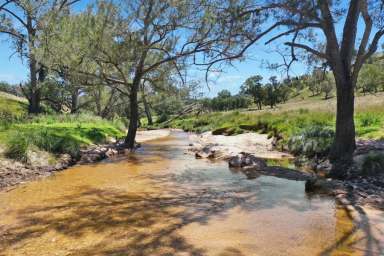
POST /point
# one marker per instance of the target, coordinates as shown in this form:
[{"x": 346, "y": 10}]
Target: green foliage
[
  {"x": 369, "y": 119},
  {"x": 17, "y": 146},
  {"x": 370, "y": 124},
  {"x": 371, "y": 78},
  {"x": 59, "y": 134},
  {"x": 10, "y": 89},
  {"x": 312, "y": 141},
  {"x": 162, "y": 118},
  {"x": 12, "y": 109},
  {"x": 225, "y": 101},
  {"x": 373, "y": 164},
  {"x": 253, "y": 86}
]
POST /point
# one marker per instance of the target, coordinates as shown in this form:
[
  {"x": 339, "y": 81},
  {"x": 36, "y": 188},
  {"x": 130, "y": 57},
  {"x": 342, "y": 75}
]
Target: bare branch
[
  {"x": 15, "y": 16},
  {"x": 14, "y": 34},
  {"x": 308, "y": 49}
]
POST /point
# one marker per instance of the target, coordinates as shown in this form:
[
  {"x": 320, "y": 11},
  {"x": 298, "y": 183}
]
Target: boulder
[
  {"x": 111, "y": 152},
  {"x": 243, "y": 160}
]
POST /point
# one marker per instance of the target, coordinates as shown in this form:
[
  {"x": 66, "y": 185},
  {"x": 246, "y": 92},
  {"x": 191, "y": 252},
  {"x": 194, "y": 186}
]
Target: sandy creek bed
[{"x": 161, "y": 201}]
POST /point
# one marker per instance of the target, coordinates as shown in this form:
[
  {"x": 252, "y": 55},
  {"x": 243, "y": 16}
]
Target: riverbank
[
  {"x": 13, "y": 172},
  {"x": 250, "y": 153}
]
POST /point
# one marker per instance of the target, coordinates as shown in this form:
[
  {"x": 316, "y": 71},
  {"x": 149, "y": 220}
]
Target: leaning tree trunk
[
  {"x": 134, "y": 115},
  {"x": 147, "y": 110},
  {"x": 344, "y": 143}
]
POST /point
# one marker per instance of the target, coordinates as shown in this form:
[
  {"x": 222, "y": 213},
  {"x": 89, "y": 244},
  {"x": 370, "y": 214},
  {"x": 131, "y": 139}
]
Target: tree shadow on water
[
  {"x": 362, "y": 238},
  {"x": 130, "y": 223}
]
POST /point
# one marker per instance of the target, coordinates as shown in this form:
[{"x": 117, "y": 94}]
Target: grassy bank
[
  {"x": 56, "y": 134},
  {"x": 309, "y": 123},
  {"x": 369, "y": 123}
]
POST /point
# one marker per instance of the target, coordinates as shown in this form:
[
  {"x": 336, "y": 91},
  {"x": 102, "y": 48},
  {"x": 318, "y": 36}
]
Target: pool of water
[{"x": 161, "y": 201}]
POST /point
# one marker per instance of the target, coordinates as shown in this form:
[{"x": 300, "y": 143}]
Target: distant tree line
[
  {"x": 320, "y": 82},
  {"x": 224, "y": 101}
]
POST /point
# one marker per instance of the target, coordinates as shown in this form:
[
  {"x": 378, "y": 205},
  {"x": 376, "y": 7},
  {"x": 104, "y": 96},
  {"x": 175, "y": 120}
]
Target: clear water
[{"x": 161, "y": 201}]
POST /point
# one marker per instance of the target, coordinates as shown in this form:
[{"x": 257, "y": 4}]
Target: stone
[
  {"x": 247, "y": 160},
  {"x": 111, "y": 152}
]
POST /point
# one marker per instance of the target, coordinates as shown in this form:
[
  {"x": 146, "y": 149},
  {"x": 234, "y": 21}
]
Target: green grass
[
  {"x": 57, "y": 134},
  {"x": 283, "y": 124},
  {"x": 298, "y": 118},
  {"x": 61, "y": 133},
  {"x": 12, "y": 108}
]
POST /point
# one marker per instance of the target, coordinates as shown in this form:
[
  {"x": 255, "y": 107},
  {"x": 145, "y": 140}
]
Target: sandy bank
[
  {"x": 256, "y": 144},
  {"x": 142, "y": 136}
]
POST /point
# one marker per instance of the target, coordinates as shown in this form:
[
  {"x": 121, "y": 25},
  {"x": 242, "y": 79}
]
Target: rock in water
[{"x": 247, "y": 160}]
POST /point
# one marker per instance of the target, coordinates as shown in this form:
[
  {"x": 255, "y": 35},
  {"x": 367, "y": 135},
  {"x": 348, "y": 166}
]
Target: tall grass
[
  {"x": 58, "y": 134},
  {"x": 17, "y": 147}
]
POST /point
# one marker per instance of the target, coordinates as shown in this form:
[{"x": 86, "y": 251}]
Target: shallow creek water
[{"x": 160, "y": 201}]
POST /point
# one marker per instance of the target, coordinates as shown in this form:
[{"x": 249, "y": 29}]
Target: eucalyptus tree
[
  {"x": 313, "y": 28},
  {"x": 131, "y": 40},
  {"x": 253, "y": 86},
  {"x": 23, "y": 21}
]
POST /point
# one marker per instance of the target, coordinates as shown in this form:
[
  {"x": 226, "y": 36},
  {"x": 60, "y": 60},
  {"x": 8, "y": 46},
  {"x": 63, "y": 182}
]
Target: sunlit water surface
[{"x": 160, "y": 201}]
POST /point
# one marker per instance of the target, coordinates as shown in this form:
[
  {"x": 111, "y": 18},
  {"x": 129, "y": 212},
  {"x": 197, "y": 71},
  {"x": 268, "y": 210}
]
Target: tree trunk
[
  {"x": 147, "y": 110},
  {"x": 344, "y": 143},
  {"x": 134, "y": 115},
  {"x": 98, "y": 101},
  {"x": 34, "y": 96},
  {"x": 74, "y": 100}
]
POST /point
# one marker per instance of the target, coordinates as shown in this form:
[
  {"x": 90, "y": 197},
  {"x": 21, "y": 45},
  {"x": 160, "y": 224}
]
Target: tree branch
[
  {"x": 308, "y": 49},
  {"x": 15, "y": 16}
]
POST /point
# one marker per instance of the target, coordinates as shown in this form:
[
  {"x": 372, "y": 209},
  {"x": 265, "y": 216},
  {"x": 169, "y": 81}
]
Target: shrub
[
  {"x": 373, "y": 164},
  {"x": 17, "y": 147},
  {"x": 96, "y": 136},
  {"x": 312, "y": 141},
  {"x": 200, "y": 122},
  {"x": 162, "y": 118}
]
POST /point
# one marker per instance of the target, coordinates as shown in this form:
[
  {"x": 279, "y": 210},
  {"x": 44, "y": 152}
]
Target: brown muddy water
[{"x": 160, "y": 201}]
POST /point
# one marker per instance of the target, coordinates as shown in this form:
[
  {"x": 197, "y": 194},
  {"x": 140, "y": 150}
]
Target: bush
[
  {"x": 373, "y": 164},
  {"x": 312, "y": 141},
  {"x": 17, "y": 147},
  {"x": 97, "y": 136},
  {"x": 162, "y": 118}
]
